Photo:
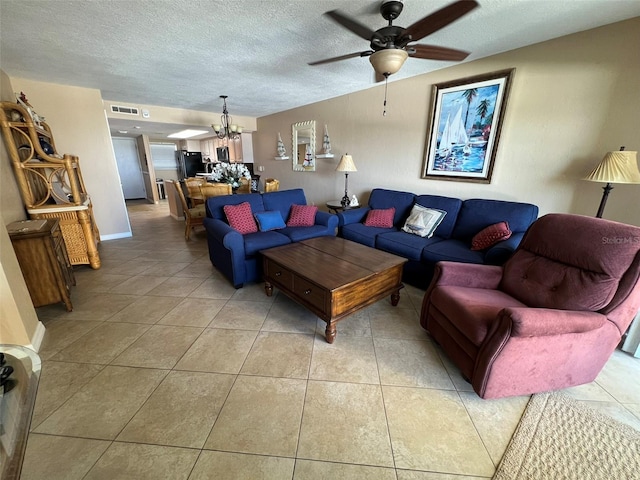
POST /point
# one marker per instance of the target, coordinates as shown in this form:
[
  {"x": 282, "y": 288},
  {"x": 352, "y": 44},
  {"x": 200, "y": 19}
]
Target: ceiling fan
[{"x": 390, "y": 45}]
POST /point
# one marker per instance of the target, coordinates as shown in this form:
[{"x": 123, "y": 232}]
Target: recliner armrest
[
  {"x": 543, "y": 322},
  {"x": 466, "y": 275}
]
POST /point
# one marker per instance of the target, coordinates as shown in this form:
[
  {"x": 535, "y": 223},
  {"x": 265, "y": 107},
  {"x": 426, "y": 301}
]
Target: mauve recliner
[{"x": 549, "y": 318}]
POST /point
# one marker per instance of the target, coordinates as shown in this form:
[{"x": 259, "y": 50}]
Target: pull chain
[{"x": 386, "y": 81}]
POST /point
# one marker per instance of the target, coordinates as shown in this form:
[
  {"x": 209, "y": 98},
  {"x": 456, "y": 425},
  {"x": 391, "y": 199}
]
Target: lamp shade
[
  {"x": 346, "y": 164},
  {"x": 388, "y": 61},
  {"x": 617, "y": 167}
]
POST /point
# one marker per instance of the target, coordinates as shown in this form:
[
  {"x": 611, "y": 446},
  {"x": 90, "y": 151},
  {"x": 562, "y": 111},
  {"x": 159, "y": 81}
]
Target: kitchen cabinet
[
  {"x": 207, "y": 148},
  {"x": 189, "y": 145},
  {"x": 213, "y": 149}
]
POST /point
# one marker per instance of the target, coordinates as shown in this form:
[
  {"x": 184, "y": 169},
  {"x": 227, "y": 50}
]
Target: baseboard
[
  {"x": 115, "y": 236},
  {"x": 38, "y": 336}
]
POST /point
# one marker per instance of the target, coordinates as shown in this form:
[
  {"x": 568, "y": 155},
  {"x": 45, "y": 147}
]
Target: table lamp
[
  {"x": 615, "y": 167},
  {"x": 346, "y": 165}
]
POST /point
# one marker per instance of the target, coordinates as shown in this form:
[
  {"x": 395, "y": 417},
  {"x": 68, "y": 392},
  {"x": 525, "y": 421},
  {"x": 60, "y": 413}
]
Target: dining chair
[
  {"x": 214, "y": 189},
  {"x": 271, "y": 185},
  {"x": 245, "y": 186},
  {"x": 193, "y": 189},
  {"x": 193, "y": 216}
]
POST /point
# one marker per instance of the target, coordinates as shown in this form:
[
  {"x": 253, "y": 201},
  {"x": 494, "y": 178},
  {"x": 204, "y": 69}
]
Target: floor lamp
[
  {"x": 346, "y": 165},
  {"x": 615, "y": 167}
]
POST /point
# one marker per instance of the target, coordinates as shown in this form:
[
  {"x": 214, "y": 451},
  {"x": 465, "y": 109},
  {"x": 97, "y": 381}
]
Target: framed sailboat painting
[{"x": 464, "y": 127}]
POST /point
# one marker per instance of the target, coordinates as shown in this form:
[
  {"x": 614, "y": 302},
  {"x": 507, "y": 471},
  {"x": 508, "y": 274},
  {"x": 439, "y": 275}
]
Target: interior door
[{"x": 129, "y": 169}]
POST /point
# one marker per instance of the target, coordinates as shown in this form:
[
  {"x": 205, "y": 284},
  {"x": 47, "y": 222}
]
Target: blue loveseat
[
  {"x": 451, "y": 240},
  {"x": 237, "y": 256}
]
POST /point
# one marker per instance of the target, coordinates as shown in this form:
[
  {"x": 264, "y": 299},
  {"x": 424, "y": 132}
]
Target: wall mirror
[{"x": 304, "y": 146}]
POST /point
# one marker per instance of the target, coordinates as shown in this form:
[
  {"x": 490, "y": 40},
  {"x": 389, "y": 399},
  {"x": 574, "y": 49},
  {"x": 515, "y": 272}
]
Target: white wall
[{"x": 572, "y": 100}]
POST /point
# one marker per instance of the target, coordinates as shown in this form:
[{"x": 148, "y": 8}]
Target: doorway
[{"x": 131, "y": 180}]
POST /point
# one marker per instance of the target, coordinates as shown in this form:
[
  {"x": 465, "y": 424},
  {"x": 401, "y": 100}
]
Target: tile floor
[{"x": 164, "y": 371}]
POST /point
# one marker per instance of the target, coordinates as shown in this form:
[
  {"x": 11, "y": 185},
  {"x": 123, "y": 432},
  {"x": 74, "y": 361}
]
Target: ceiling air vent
[{"x": 125, "y": 110}]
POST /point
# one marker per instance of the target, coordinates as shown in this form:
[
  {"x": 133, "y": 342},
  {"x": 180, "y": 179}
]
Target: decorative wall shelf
[
  {"x": 326, "y": 145},
  {"x": 282, "y": 152}
]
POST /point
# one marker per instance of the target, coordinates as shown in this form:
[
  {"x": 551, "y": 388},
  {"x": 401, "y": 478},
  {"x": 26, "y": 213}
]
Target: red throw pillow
[
  {"x": 302, "y": 216},
  {"x": 240, "y": 218},
  {"x": 382, "y": 218},
  {"x": 491, "y": 235}
]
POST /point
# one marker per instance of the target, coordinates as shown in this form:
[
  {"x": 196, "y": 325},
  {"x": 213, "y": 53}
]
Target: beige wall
[
  {"x": 79, "y": 125},
  {"x": 146, "y": 166},
  {"x": 11, "y": 205},
  {"x": 572, "y": 100},
  {"x": 18, "y": 320},
  {"x": 19, "y": 323},
  {"x": 178, "y": 115}
]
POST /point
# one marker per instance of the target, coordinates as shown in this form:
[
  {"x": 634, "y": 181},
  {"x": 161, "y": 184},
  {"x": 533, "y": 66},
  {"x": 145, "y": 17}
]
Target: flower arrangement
[{"x": 230, "y": 173}]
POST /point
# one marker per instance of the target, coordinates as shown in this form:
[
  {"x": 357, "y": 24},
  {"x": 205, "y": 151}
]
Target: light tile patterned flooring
[{"x": 164, "y": 371}]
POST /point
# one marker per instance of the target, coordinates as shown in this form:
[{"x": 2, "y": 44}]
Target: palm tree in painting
[
  {"x": 483, "y": 109},
  {"x": 469, "y": 95}
]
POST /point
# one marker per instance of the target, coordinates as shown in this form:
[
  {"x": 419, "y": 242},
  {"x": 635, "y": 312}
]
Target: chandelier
[{"x": 226, "y": 129}]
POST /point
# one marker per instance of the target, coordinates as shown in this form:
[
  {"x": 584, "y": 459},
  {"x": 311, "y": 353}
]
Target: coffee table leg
[
  {"x": 330, "y": 332},
  {"x": 268, "y": 289},
  {"x": 395, "y": 298}
]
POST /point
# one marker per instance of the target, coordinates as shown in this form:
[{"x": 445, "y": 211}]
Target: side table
[
  {"x": 335, "y": 206},
  {"x": 42, "y": 255}
]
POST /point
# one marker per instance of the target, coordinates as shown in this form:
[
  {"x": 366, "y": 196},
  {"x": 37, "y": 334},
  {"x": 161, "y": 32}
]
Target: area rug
[{"x": 559, "y": 438}]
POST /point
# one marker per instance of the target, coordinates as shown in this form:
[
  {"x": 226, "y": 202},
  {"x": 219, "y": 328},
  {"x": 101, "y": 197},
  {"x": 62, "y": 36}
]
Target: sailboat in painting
[
  {"x": 443, "y": 147},
  {"x": 453, "y": 134}
]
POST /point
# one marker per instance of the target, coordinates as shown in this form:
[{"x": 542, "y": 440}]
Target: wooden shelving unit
[{"x": 50, "y": 184}]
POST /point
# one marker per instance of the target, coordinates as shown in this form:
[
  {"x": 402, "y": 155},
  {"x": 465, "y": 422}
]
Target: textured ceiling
[{"x": 185, "y": 53}]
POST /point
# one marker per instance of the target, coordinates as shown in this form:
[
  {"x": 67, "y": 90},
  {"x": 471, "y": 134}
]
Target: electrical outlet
[{"x": 260, "y": 168}]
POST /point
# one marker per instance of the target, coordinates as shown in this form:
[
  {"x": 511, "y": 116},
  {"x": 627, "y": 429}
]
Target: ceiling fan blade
[
  {"x": 366, "y": 53},
  {"x": 350, "y": 24},
  {"x": 437, "y": 20},
  {"x": 432, "y": 52}
]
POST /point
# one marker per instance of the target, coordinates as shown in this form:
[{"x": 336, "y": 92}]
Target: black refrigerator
[{"x": 189, "y": 163}]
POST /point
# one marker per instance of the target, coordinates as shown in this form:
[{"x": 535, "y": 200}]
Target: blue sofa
[
  {"x": 236, "y": 255},
  {"x": 451, "y": 240}
]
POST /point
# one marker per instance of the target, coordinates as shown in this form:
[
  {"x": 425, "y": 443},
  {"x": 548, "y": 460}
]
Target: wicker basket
[{"x": 80, "y": 234}]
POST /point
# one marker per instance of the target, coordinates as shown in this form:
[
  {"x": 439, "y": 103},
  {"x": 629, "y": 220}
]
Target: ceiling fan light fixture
[{"x": 388, "y": 61}]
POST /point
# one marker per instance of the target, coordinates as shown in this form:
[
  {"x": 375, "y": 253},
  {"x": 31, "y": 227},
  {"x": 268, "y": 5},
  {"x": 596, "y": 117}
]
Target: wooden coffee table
[{"x": 333, "y": 277}]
